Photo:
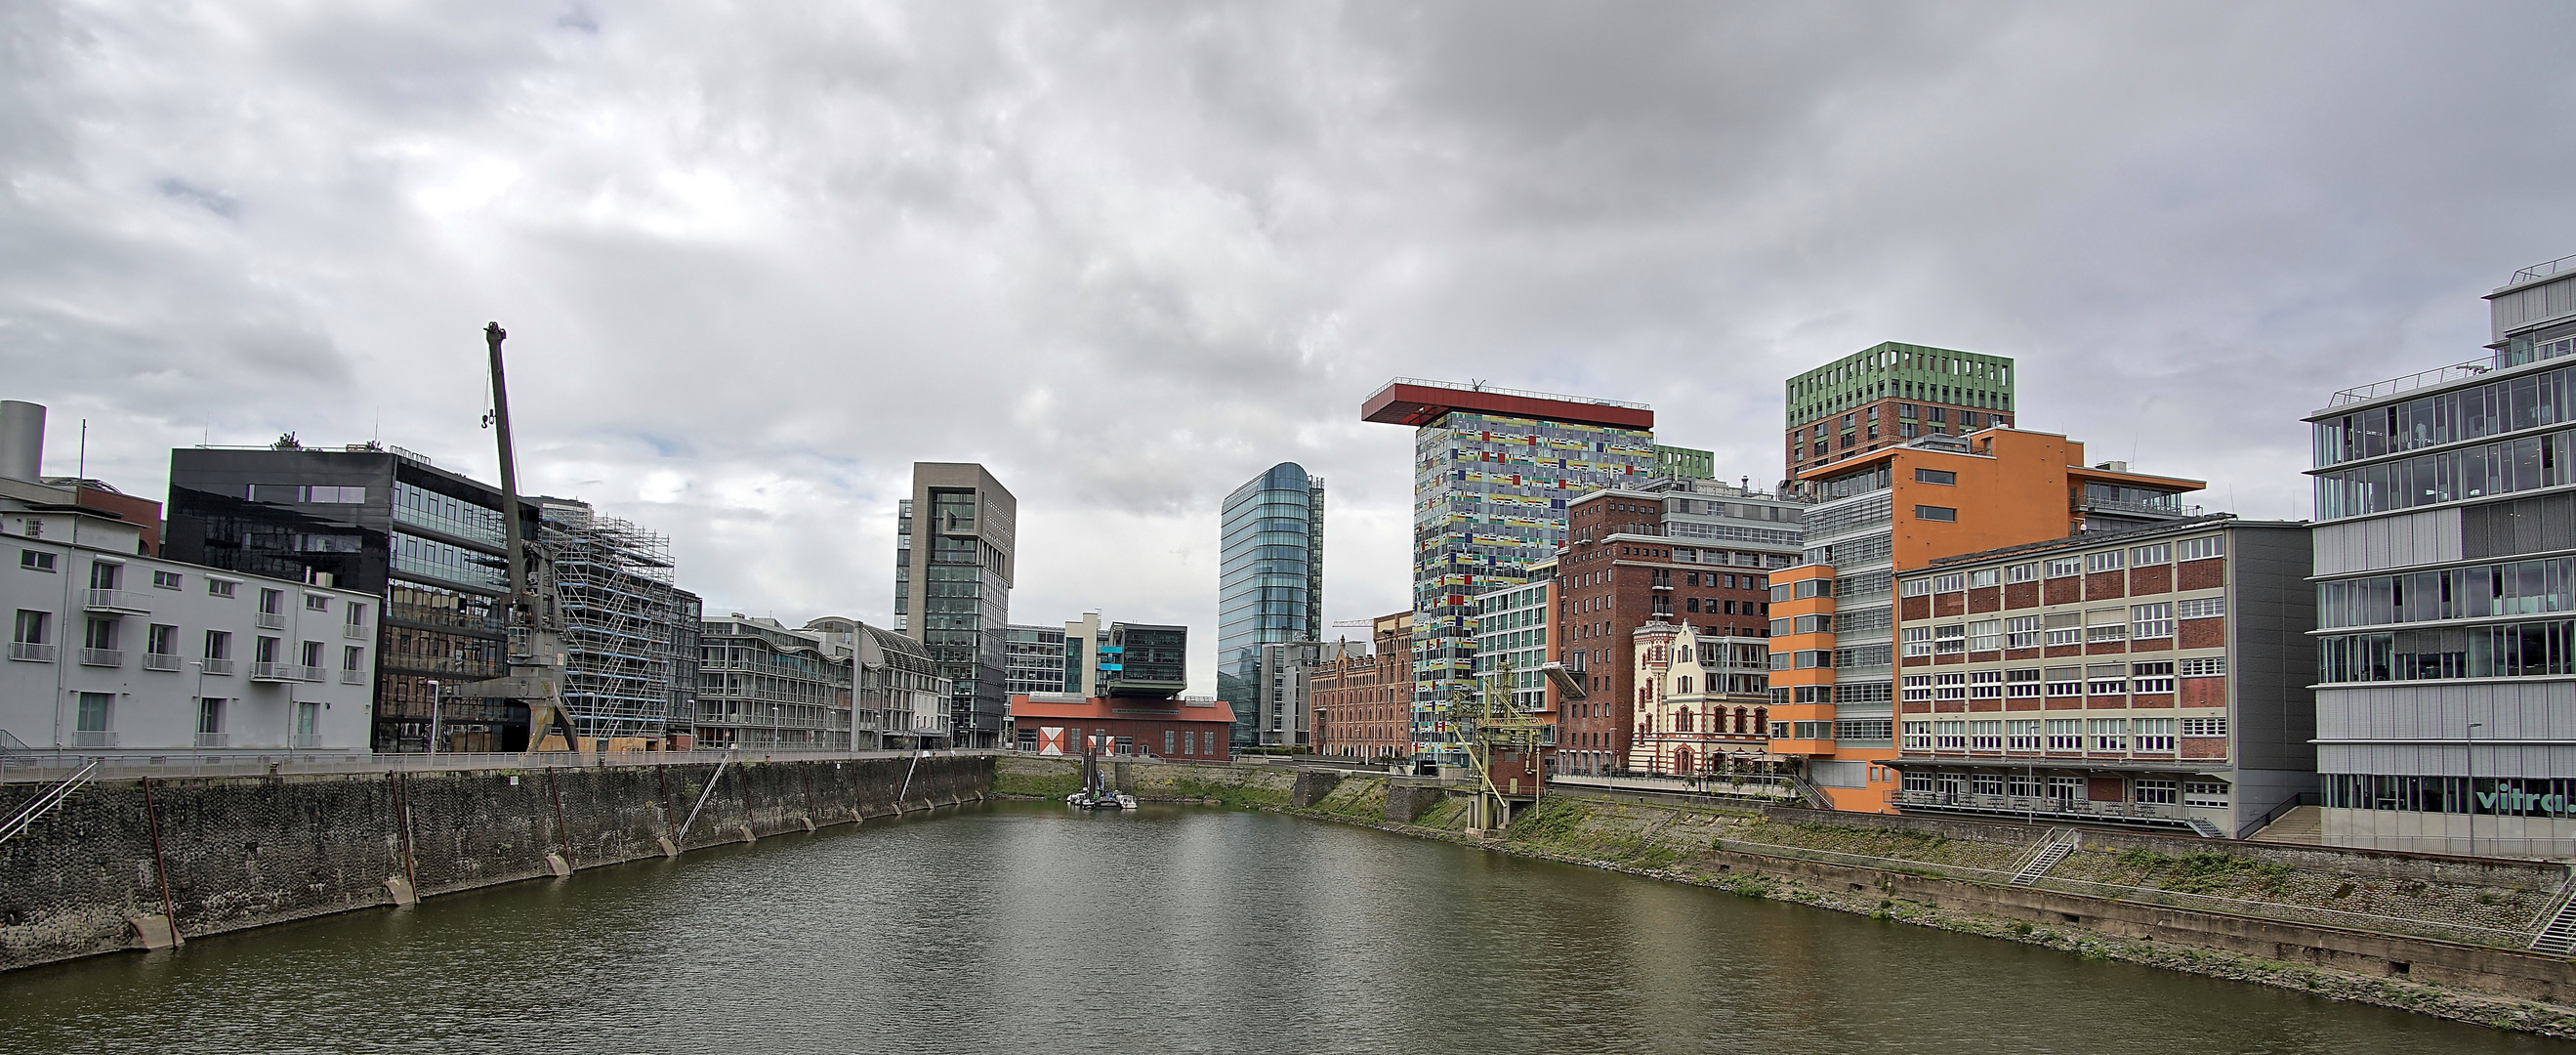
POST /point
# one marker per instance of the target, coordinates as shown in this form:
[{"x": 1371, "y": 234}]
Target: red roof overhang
[{"x": 1408, "y": 404}]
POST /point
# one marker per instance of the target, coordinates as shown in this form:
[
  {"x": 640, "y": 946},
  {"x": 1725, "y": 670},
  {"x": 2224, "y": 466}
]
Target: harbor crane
[
  {"x": 533, "y": 615},
  {"x": 1502, "y": 741}
]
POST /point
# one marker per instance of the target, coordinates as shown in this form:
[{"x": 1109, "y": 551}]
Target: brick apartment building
[
  {"x": 1898, "y": 510},
  {"x": 1689, "y": 551},
  {"x": 1888, "y": 395},
  {"x": 2154, "y": 678},
  {"x": 1363, "y": 693}
]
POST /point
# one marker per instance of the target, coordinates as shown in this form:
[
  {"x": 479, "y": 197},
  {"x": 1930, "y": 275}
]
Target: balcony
[
  {"x": 215, "y": 666},
  {"x": 354, "y": 631},
  {"x": 94, "y": 738},
  {"x": 127, "y": 602},
  {"x": 272, "y": 620},
  {"x": 307, "y": 740},
  {"x": 207, "y": 740},
  {"x": 353, "y": 677},
  {"x": 31, "y": 652},
  {"x": 315, "y": 674},
  {"x": 102, "y": 657},
  {"x": 159, "y": 661},
  {"x": 273, "y": 672}
]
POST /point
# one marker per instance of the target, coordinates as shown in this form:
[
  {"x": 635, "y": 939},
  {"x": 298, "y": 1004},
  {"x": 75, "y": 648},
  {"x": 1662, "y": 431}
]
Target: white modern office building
[
  {"x": 2445, "y": 563},
  {"x": 115, "y": 652}
]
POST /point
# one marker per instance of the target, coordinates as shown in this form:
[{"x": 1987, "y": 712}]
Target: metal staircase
[
  {"x": 2205, "y": 829},
  {"x": 2060, "y": 843},
  {"x": 2559, "y": 934},
  {"x": 45, "y": 804}
]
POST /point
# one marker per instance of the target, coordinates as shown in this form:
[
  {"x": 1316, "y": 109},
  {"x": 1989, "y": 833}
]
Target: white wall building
[{"x": 115, "y": 652}]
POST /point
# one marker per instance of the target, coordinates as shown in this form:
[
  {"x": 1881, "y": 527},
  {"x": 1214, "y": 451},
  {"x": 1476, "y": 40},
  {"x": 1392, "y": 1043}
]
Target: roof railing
[
  {"x": 1480, "y": 386},
  {"x": 2422, "y": 379},
  {"x": 2547, "y": 269}
]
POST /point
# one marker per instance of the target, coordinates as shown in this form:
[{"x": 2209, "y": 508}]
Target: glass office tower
[
  {"x": 953, "y": 551},
  {"x": 1270, "y": 590}
]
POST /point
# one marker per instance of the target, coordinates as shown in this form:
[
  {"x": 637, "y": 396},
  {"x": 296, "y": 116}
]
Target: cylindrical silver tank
[{"x": 22, "y": 440}]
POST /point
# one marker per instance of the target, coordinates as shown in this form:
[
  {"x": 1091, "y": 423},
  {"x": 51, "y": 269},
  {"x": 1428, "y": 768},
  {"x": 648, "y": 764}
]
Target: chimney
[{"x": 22, "y": 440}]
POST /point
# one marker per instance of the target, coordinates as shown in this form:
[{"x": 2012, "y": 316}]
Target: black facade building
[{"x": 426, "y": 540}]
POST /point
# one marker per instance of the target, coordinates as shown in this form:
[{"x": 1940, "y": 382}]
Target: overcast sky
[{"x": 757, "y": 259}]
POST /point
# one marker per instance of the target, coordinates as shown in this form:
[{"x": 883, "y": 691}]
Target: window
[
  {"x": 2155, "y": 735},
  {"x": 1950, "y": 638},
  {"x": 1986, "y": 635},
  {"x": 2060, "y": 567},
  {"x": 314, "y": 602},
  {"x": 1810, "y": 659},
  {"x": 1918, "y": 587},
  {"x": 1986, "y": 736},
  {"x": 1936, "y": 476},
  {"x": 219, "y": 644},
  {"x": 2066, "y": 734},
  {"x": 1941, "y": 513},
  {"x": 2204, "y": 667},
  {"x": 1949, "y": 686},
  {"x": 353, "y": 657},
  {"x": 210, "y": 717},
  {"x": 1949, "y": 583},
  {"x": 1950, "y": 736},
  {"x": 35, "y": 560},
  {"x": 2022, "y": 735},
  {"x": 162, "y": 639},
  {"x": 1986, "y": 685},
  {"x": 2204, "y": 728},
  {"x": 1918, "y": 641},
  {"x": 1813, "y": 624},
  {"x": 2065, "y": 628},
  {"x": 219, "y": 588},
  {"x": 1918, "y": 736},
  {"x": 2204, "y": 793},
  {"x": 2106, "y": 624},
  {"x": 2106, "y": 679},
  {"x": 272, "y": 602},
  {"x": 2151, "y": 677},
  {"x": 106, "y": 576},
  {"x": 2201, "y": 607},
  {"x": 33, "y": 627},
  {"x": 2065, "y": 681},
  {"x": 1168, "y": 736},
  {"x": 2160, "y": 553},
  {"x": 95, "y": 720},
  {"x": 312, "y": 653},
  {"x": 2155, "y": 790},
  {"x": 2151, "y": 620},
  {"x": 2107, "y": 560},
  {"x": 2021, "y": 631},
  {"x": 1918, "y": 688},
  {"x": 165, "y": 580},
  {"x": 2022, "y": 573},
  {"x": 2022, "y": 684},
  {"x": 2202, "y": 548},
  {"x": 1986, "y": 577},
  {"x": 2109, "y": 734}
]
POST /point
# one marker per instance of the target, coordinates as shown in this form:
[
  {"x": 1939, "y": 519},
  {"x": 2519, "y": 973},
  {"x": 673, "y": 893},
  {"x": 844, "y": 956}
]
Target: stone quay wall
[{"x": 125, "y": 860}]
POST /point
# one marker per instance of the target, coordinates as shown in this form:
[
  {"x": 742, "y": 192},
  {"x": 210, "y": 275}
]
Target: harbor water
[{"x": 1031, "y": 927}]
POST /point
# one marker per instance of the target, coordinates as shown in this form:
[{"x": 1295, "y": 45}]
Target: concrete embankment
[
  {"x": 126, "y": 860},
  {"x": 2442, "y": 936}
]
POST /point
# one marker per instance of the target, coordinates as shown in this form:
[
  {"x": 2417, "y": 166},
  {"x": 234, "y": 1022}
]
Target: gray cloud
[{"x": 755, "y": 261}]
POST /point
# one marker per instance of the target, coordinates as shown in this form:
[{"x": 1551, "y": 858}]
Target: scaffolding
[{"x": 630, "y": 635}]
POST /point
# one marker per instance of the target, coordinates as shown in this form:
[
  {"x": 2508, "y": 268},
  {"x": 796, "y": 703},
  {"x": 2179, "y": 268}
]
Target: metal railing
[
  {"x": 2544, "y": 269},
  {"x": 272, "y": 672},
  {"x": 2049, "y": 806},
  {"x": 353, "y": 677},
  {"x": 216, "y": 666},
  {"x": 214, "y": 740},
  {"x": 272, "y": 620},
  {"x": 52, "y": 799},
  {"x": 160, "y": 661},
  {"x": 2157, "y": 508},
  {"x": 357, "y": 631},
  {"x": 305, "y": 740},
  {"x": 94, "y": 738},
  {"x": 102, "y": 657},
  {"x": 31, "y": 651},
  {"x": 119, "y": 601},
  {"x": 38, "y": 765},
  {"x": 2410, "y": 382}
]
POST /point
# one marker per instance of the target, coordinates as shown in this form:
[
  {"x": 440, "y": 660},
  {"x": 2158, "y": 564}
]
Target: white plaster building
[
  {"x": 1700, "y": 698},
  {"x": 112, "y": 652}
]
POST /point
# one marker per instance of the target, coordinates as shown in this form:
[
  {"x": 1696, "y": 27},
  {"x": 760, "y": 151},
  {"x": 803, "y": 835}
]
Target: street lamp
[
  {"x": 434, "y": 709},
  {"x": 2472, "y": 766}
]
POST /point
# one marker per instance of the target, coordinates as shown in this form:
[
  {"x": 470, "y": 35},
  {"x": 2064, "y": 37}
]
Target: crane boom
[{"x": 536, "y": 656}]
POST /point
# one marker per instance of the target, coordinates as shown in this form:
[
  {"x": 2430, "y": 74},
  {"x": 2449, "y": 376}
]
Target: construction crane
[
  {"x": 1502, "y": 741},
  {"x": 532, "y": 616}
]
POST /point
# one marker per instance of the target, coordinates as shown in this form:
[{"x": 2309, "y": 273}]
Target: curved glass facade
[{"x": 1270, "y": 582}]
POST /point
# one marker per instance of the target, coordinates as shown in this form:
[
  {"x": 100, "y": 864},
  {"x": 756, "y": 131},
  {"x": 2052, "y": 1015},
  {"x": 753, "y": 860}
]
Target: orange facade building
[{"x": 1834, "y": 623}]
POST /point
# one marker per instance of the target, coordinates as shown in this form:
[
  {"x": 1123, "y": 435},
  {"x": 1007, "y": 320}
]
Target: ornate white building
[{"x": 1700, "y": 698}]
